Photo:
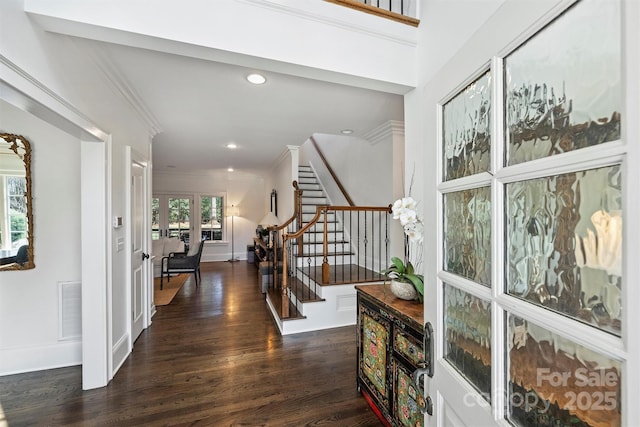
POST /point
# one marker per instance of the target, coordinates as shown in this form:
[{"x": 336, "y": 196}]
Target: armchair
[{"x": 181, "y": 262}]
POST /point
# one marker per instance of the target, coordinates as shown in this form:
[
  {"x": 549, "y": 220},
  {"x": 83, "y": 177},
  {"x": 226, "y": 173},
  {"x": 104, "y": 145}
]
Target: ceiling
[{"x": 200, "y": 106}]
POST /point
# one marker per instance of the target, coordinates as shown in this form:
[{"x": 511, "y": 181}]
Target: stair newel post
[
  {"x": 285, "y": 276},
  {"x": 325, "y": 249}
]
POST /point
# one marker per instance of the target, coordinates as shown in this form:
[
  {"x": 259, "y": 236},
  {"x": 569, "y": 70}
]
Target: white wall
[
  {"x": 68, "y": 73},
  {"x": 445, "y": 25},
  {"x": 364, "y": 168},
  {"x": 245, "y": 190},
  {"x": 29, "y": 309},
  {"x": 283, "y": 173},
  {"x": 286, "y": 36}
]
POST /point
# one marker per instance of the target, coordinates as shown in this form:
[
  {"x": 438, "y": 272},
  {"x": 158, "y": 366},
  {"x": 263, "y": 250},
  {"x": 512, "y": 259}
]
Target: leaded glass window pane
[
  {"x": 553, "y": 381},
  {"x": 563, "y": 86},
  {"x": 467, "y": 239},
  {"x": 564, "y": 244},
  {"x": 467, "y": 326},
  {"x": 467, "y": 130}
]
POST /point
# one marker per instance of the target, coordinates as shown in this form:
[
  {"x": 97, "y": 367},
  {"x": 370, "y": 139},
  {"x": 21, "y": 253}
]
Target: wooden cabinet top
[{"x": 382, "y": 293}]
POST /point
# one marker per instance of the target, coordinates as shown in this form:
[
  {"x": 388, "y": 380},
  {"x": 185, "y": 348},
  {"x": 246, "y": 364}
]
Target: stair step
[
  {"x": 342, "y": 273},
  {"x": 275, "y": 296},
  {"x": 303, "y": 292}
]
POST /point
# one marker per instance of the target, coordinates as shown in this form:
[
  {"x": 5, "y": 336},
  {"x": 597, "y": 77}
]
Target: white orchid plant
[{"x": 405, "y": 210}]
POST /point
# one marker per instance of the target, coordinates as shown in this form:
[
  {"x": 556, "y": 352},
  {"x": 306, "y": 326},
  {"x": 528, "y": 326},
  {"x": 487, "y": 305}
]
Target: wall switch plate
[{"x": 120, "y": 244}]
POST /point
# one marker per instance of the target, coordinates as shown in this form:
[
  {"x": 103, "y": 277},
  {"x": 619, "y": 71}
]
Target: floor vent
[{"x": 70, "y": 311}]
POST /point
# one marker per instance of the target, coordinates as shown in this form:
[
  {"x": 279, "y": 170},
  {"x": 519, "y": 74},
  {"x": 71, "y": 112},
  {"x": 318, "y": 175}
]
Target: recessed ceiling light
[
  {"x": 232, "y": 145},
  {"x": 346, "y": 131},
  {"x": 256, "y": 79},
  {"x": 229, "y": 169}
]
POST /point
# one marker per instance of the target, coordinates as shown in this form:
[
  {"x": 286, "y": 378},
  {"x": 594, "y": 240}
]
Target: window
[
  {"x": 211, "y": 217},
  {"x": 13, "y": 228}
]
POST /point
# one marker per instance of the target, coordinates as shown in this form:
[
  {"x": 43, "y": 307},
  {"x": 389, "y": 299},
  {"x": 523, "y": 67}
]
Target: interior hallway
[{"x": 213, "y": 357}]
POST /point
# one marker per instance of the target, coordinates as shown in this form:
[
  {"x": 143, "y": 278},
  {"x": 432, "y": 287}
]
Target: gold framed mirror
[{"x": 16, "y": 207}]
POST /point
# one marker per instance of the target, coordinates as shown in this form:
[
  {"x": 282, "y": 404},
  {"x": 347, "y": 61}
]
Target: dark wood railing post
[
  {"x": 325, "y": 249},
  {"x": 285, "y": 279}
]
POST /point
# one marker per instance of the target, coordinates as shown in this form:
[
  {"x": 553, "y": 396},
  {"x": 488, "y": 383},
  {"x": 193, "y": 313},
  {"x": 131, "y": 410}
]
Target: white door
[
  {"x": 138, "y": 239},
  {"x": 532, "y": 303}
]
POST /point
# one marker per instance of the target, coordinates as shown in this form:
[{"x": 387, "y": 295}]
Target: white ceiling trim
[
  {"x": 385, "y": 132},
  {"x": 24, "y": 91},
  {"x": 330, "y": 20},
  {"x": 120, "y": 85}
]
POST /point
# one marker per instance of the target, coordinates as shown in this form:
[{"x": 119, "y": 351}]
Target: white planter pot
[{"x": 403, "y": 290}]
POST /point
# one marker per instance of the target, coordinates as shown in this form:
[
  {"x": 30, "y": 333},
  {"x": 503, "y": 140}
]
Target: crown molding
[
  {"x": 384, "y": 132},
  {"x": 24, "y": 91},
  {"x": 121, "y": 86}
]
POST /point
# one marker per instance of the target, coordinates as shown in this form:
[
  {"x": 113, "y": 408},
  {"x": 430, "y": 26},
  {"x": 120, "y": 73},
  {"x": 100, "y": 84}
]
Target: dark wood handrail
[
  {"x": 296, "y": 207},
  {"x": 333, "y": 174},
  {"x": 354, "y": 4}
]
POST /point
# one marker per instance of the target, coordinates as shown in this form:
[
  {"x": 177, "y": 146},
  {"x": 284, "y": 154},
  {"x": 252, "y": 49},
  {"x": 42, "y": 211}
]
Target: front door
[
  {"x": 527, "y": 288},
  {"x": 138, "y": 239}
]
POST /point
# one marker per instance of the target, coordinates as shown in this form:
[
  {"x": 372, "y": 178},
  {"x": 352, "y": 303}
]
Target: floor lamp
[{"x": 232, "y": 211}]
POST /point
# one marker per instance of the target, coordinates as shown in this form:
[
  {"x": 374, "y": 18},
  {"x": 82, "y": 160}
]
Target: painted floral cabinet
[{"x": 389, "y": 349}]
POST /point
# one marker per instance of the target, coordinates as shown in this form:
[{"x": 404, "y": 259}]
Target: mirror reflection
[{"x": 16, "y": 216}]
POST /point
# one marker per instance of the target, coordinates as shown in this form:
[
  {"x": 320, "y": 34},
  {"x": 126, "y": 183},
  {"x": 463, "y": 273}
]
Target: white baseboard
[
  {"x": 29, "y": 359},
  {"x": 120, "y": 353}
]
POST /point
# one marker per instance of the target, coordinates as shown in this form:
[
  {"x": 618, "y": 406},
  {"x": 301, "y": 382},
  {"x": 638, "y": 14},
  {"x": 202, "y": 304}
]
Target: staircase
[{"x": 314, "y": 305}]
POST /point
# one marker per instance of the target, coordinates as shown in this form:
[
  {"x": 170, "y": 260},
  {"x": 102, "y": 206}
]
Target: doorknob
[
  {"x": 425, "y": 367},
  {"x": 145, "y": 256}
]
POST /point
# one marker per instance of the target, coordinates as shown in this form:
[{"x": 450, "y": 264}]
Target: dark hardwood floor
[{"x": 213, "y": 357}]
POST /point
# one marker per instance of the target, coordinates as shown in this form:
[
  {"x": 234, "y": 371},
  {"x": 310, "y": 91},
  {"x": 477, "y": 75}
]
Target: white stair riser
[
  {"x": 316, "y": 248},
  {"x": 314, "y": 201},
  {"x": 317, "y": 237},
  {"x": 332, "y": 227},
  {"x": 309, "y": 187},
  {"x": 313, "y": 193},
  {"x": 309, "y": 212},
  {"x": 316, "y": 261}
]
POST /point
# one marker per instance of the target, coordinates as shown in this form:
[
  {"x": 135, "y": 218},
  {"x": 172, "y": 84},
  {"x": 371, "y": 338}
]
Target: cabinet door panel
[
  {"x": 374, "y": 353},
  {"x": 408, "y": 399}
]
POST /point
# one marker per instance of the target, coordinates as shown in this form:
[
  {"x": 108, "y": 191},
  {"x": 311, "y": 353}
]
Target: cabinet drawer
[{"x": 408, "y": 344}]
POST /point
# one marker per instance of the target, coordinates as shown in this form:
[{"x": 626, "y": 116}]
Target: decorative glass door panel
[
  {"x": 467, "y": 130},
  {"x": 467, "y": 334},
  {"x": 467, "y": 239},
  {"x": 555, "y": 381},
  {"x": 563, "y": 86},
  {"x": 564, "y": 244}
]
